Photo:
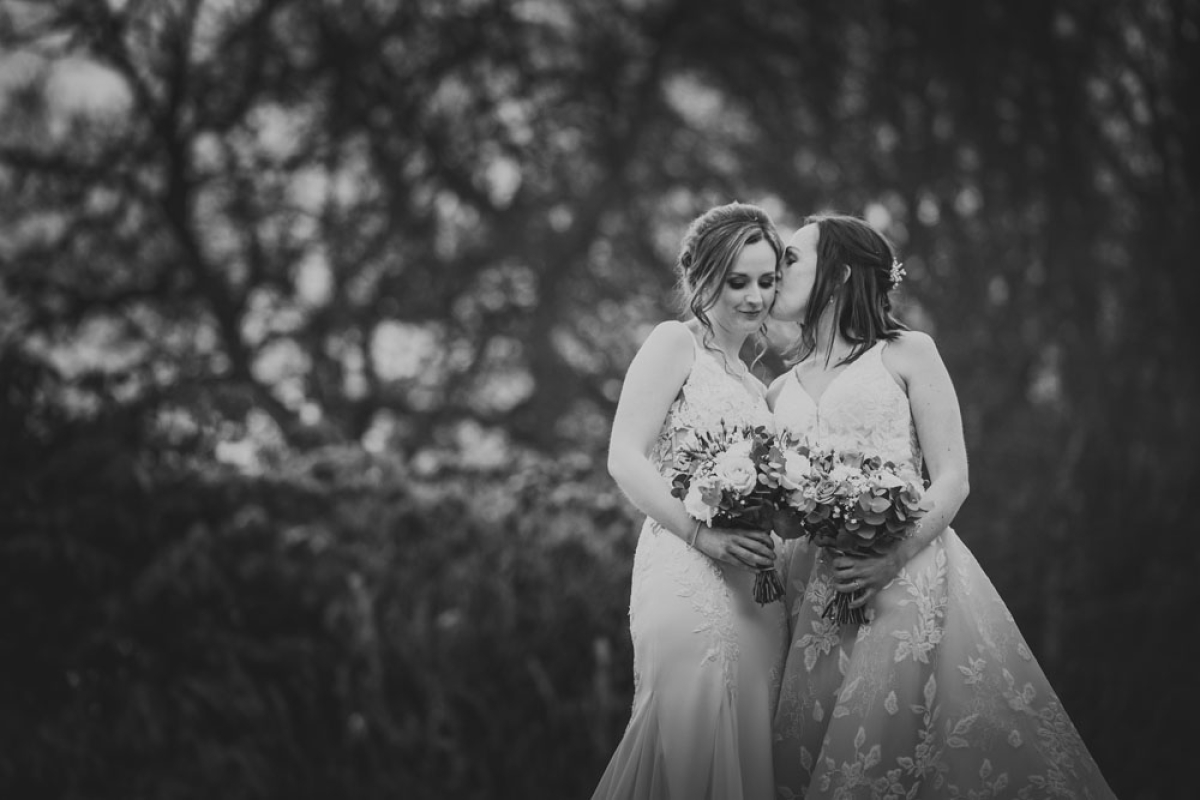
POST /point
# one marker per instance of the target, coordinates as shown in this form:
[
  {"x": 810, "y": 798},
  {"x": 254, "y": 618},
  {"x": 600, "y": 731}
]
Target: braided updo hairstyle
[
  {"x": 710, "y": 248},
  {"x": 863, "y": 307}
]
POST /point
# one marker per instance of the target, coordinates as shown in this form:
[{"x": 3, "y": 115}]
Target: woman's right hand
[{"x": 743, "y": 549}]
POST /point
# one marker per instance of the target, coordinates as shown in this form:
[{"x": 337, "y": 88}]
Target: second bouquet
[{"x": 850, "y": 503}]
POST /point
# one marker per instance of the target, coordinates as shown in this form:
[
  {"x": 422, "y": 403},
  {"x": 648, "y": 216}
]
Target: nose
[{"x": 754, "y": 299}]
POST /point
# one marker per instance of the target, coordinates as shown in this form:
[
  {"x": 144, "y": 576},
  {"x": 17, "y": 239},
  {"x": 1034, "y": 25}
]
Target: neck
[
  {"x": 829, "y": 338},
  {"x": 728, "y": 342}
]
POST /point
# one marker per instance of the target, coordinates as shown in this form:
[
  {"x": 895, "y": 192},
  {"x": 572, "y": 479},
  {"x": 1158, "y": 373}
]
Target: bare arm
[
  {"x": 652, "y": 382},
  {"x": 938, "y": 420}
]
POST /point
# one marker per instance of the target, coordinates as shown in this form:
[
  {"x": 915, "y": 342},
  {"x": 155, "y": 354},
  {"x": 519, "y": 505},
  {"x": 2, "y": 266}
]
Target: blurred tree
[{"x": 356, "y": 213}]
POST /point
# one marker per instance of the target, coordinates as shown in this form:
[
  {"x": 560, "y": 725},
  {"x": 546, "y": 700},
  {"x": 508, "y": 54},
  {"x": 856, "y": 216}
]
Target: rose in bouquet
[
  {"x": 723, "y": 478},
  {"x": 850, "y": 503}
]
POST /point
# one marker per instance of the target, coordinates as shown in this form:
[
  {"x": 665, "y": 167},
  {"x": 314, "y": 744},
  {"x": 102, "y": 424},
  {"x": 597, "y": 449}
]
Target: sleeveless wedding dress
[
  {"x": 938, "y": 695},
  {"x": 706, "y": 657}
]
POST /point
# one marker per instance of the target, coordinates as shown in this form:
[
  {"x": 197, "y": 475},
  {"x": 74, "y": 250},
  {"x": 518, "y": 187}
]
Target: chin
[{"x": 745, "y": 327}]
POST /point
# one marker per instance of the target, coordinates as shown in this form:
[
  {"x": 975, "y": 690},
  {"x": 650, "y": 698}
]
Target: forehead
[
  {"x": 805, "y": 237},
  {"x": 755, "y": 258}
]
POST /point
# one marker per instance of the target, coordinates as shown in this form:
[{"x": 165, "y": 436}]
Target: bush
[{"x": 337, "y": 627}]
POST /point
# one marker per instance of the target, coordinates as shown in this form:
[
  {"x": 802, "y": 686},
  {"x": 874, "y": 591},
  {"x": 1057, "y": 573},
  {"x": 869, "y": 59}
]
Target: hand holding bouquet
[
  {"x": 850, "y": 503},
  {"x": 722, "y": 477}
]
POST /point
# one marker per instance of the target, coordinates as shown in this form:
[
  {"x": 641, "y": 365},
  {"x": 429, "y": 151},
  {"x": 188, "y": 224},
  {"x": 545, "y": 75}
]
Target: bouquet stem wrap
[
  {"x": 767, "y": 586},
  {"x": 838, "y": 609}
]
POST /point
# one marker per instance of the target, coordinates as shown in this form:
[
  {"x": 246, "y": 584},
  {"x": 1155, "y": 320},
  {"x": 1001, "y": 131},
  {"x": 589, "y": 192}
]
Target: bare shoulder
[
  {"x": 911, "y": 352},
  {"x": 670, "y": 338},
  {"x": 912, "y": 358},
  {"x": 667, "y": 353}
]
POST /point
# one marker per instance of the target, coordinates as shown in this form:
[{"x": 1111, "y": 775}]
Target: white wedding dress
[
  {"x": 938, "y": 695},
  {"x": 707, "y": 658}
]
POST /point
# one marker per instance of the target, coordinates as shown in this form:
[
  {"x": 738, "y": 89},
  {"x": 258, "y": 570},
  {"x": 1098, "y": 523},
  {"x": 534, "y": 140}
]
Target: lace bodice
[
  {"x": 708, "y": 396},
  {"x": 862, "y": 408}
]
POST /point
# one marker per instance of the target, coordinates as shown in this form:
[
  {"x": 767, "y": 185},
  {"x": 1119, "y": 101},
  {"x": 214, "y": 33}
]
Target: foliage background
[{"x": 313, "y": 314}]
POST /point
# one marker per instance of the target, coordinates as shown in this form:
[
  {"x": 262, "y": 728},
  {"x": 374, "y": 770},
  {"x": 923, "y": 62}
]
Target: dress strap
[
  {"x": 875, "y": 352},
  {"x": 715, "y": 361},
  {"x": 879, "y": 347}
]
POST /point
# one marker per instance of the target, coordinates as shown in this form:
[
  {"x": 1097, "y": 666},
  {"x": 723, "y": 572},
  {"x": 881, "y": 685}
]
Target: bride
[
  {"x": 937, "y": 695},
  {"x": 706, "y": 656}
]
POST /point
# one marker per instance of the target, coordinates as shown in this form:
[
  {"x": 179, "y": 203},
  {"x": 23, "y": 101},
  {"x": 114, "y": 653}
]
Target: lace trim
[
  {"x": 699, "y": 579},
  {"x": 708, "y": 396}
]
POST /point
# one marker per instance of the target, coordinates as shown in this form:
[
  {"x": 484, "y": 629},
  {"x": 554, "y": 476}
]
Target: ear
[{"x": 845, "y": 273}]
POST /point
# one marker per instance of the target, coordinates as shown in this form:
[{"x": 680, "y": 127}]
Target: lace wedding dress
[
  {"x": 706, "y": 657},
  {"x": 938, "y": 695}
]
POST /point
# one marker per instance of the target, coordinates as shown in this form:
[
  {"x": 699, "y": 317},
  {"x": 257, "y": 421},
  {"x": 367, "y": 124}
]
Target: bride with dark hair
[{"x": 937, "y": 695}]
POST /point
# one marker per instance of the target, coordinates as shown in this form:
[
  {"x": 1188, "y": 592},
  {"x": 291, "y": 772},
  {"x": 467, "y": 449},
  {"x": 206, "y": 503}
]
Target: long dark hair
[
  {"x": 862, "y": 305},
  {"x": 711, "y": 246}
]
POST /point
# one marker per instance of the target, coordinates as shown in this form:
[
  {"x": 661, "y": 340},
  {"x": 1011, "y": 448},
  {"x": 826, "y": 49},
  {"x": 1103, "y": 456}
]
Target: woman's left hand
[{"x": 866, "y": 575}]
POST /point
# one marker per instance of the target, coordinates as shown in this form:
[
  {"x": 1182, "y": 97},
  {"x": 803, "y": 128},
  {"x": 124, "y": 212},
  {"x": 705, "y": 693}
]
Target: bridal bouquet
[
  {"x": 729, "y": 477},
  {"x": 851, "y": 503}
]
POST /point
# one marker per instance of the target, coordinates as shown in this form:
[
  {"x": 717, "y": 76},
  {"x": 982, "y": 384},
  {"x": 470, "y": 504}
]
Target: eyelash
[{"x": 767, "y": 283}]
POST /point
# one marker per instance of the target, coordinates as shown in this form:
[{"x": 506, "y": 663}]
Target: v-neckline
[
  {"x": 740, "y": 380},
  {"x": 816, "y": 401}
]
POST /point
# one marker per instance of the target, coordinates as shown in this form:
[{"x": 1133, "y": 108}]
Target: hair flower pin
[{"x": 897, "y": 272}]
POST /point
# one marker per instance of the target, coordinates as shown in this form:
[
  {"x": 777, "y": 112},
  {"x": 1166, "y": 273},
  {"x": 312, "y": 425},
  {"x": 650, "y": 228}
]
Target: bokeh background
[{"x": 313, "y": 315}]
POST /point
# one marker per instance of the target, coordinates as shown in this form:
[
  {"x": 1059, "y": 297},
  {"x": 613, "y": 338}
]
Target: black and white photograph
[{"x": 609, "y": 399}]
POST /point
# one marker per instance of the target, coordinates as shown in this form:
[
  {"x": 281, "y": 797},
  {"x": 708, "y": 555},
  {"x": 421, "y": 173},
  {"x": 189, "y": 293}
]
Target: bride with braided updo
[{"x": 706, "y": 655}]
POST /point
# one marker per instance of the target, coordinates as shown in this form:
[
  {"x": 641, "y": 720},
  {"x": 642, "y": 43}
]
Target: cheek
[
  {"x": 804, "y": 284},
  {"x": 725, "y": 302}
]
